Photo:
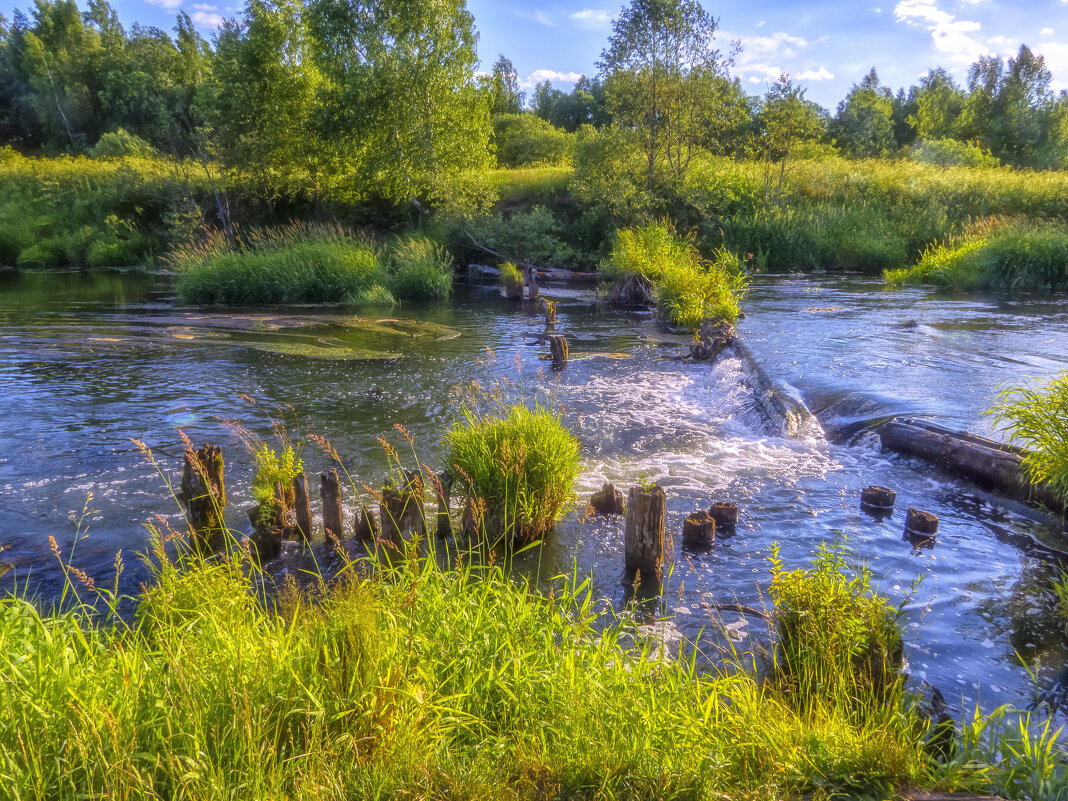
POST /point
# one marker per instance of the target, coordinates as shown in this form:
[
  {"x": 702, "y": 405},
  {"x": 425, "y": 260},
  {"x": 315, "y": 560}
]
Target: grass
[
  {"x": 1036, "y": 418},
  {"x": 518, "y": 467},
  {"x": 273, "y": 469},
  {"x": 419, "y": 268},
  {"x": 687, "y": 289},
  {"x": 997, "y": 253}
]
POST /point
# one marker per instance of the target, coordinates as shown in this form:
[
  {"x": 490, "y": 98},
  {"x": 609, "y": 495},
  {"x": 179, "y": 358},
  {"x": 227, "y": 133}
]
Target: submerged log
[
  {"x": 725, "y": 515},
  {"x": 558, "y": 349},
  {"x": 303, "y": 506},
  {"x": 991, "y": 464},
  {"x": 699, "y": 530},
  {"x": 203, "y": 491},
  {"x": 330, "y": 492},
  {"x": 711, "y": 340},
  {"x": 608, "y": 500},
  {"x": 643, "y": 538},
  {"x": 401, "y": 509}
]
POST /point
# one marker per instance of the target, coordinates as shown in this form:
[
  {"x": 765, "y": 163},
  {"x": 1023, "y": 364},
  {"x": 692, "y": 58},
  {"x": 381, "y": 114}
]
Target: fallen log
[{"x": 990, "y": 464}]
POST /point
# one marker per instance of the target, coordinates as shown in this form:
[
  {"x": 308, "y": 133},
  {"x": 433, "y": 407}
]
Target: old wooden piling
[
  {"x": 401, "y": 510},
  {"x": 922, "y": 525},
  {"x": 608, "y": 500},
  {"x": 877, "y": 500},
  {"x": 303, "y": 506},
  {"x": 203, "y": 491},
  {"x": 532, "y": 282},
  {"x": 550, "y": 312},
  {"x": 443, "y": 490},
  {"x": 558, "y": 350},
  {"x": 725, "y": 514},
  {"x": 699, "y": 530},
  {"x": 366, "y": 528},
  {"x": 643, "y": 538},
  {"x": 330, "y": 492}
]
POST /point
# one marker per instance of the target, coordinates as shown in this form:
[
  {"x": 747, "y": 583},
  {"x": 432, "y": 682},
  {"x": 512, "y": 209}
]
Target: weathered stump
[
  {"x": 473, "y": 520},
  {"x": 558, "y": 349},
  {"x": 608, "y": 500},
  {"x": 877, "y": 500},
  {"x": 550, "y": 312},
  {"x": 725, "y": 515},
  {"x": 643, "y": 538},
  {"x": 366, "y": 528},
  {"x": 330, "y": 492},
  {"x": 923, "y": 525},
  {"x": 532, "y": 282},
  {"x": 699, "y": 530},
  {"x": 711, "y": 340},
  {"x": 443, "y": 492},
  {"x": 203, "y": 491},
  {"x": 401, "y": 509},
  {"x": 303, "y": 506}
]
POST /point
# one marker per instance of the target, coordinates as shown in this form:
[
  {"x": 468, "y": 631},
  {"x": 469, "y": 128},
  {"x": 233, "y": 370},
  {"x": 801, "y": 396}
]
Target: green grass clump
[
  {"x": 419, "y": 268},
  {"x": 296, "y": 264},
  {"x": 838, "y": 641},
  {"x": 687, "y": 288},
  {"x": 995, "y": 254},
  {"x": 1036, "y": 418},
  {"x": 519, "y": 467},
  {"x": 271, "y": 469}
]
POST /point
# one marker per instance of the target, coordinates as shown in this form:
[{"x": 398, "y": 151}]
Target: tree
[
  {"x": 786, "y": 122},
  {"x": 864, "y": 124},
  {"x": 1024, "y": 102},
  {"x": 505, "y": 97},
  {"x": 400, "y": 105},
  {"x": 654, "y": 48},
  {"x": 937, "y": 104}
]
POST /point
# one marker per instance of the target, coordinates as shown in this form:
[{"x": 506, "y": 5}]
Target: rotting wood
[
  {"x": 532, "y": 282},
  {"x": 303, "y": 506},
  {"x": 366, "y": 528},
  {"x": 443, "y": 491},
  {"x": 401, "y": 511},
  {"x": 699, "y": 530},
  {"x": 991, "y": 464},
  {"x": 330, "y": 492},
  {"x": 711, "y": 340},
  {"x": 607, "y": 500},
  {"x": 643, "y": 538},
  {"x": 921, "y": 524},
  {"x": 877, "y": 500},
  {"x": 558, "y": 349},
  {"x": 725, "y": 514},
  {"x": 203, "y": 491}
]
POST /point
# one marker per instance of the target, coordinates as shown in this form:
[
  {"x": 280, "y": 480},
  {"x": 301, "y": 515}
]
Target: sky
[{"x": 825, "y": 46}]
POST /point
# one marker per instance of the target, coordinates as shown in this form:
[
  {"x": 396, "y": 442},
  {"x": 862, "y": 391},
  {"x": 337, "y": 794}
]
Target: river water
[{"x": 89, "y": 362}]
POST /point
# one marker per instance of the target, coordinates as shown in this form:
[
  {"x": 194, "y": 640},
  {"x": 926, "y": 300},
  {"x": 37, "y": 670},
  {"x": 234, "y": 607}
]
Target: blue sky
[{"x": 827, "y": 46}]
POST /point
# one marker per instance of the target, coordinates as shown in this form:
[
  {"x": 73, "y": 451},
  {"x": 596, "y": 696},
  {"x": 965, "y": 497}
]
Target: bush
[
  {"x": 296, "y": 264},
  {"x": 526, "y": 140},
  {"x": 519, "y": 467},
  {"x": 120, "y": 143},
  {"x": 532, "y": 235},
  {"x": 1036, "y": 418},
  {"x": 419, "y": 268},
  {"x": 953, "y": 153},
  {"x": 686, "y": 288},
  {"x": 273, "y": 469}
]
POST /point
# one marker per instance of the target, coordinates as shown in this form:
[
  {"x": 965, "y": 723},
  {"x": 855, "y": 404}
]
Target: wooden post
[
  {"x": 608, "y": 500},
  {"x": 532, "y": 282},
  {"x": 443, "y": 491},
  {"x": 303, "y": 506},
  {"x": 550, "y": 312},
  {"x": 203, "y": 492},
  {"x": 330, "y": 492},
  {"x": 699, "y": 530},
  {"x": 401, "y": 509},
  {"x": 725, "y": 515},
  {"x": 877, "y": 500},
  {"x": 923, "y": 525},
  {"x": 366, "y": 525},
  {"x": 559, "y": 350},
  {"x": 643, "y": 539}
]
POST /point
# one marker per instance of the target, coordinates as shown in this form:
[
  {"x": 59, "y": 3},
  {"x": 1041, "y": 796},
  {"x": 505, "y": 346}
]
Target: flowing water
[{"x": 89, "y": 362}]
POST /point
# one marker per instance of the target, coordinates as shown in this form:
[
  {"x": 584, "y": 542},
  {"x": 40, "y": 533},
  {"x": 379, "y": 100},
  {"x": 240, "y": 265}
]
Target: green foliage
[
  {"x": 951, "y": 153},
  {"x": 519, "y": 466},
  {"x": 511, "y": 276},
  {"x": 687, "y": 289},
  {"x": 838, "y": 640},
  {"x": 1036, "y": 418},
  {"x": 119, "y": 143},
  {"x": 524, "y": 140},
  {"x": 273, "y": 469},
  {"x": 297, "y": 264},
  {"x": 1005, "y": 253},
  {"x": 532, "y": 235},
  {"x": 864, "y": 125},
  {"x": 787, "y": 123},
  {"x": 419, "y": 268}
]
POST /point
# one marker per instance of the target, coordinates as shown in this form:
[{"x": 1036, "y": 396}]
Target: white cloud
[
  {"x": 170, "y": 5},
  {"x": 206, "y": 19},
  {"x": 538, "y": 16},
  {"x": 1056, "y": 56},
  {"x": 552, "y": 76},
  {"x": 822, "y": 74},
  {"x": 1046, "y": 32},
  {"x": 205, "y": 7},
  {"x": 762, "y": 56},
  {"x": 592, "y": 18},
  {"x": 950, "y": 36}
]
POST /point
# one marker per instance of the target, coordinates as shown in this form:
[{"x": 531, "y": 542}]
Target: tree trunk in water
[
  {"x": 330, "y": 491},
  {"x": 203, "y": 492},
  {"x": 303, "y": 506},
  {"x": 559, "y": 350},
  {"x": 643, "y": 539},
  {"x": 401, "y": 510}
]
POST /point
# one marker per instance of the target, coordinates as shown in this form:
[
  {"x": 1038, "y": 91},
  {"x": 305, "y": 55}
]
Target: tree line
[{"x": 340, "y": 97}]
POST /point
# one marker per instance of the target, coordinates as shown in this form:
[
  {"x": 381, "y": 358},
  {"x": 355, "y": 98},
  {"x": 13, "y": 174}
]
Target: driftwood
[
  {"x": 991, "y": 464},
  {"x": 643, "y": 538},
  {"x": 203, "y": 491}
]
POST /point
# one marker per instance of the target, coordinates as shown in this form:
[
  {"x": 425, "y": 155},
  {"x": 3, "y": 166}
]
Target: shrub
[
  {"x": 687, "y": 289},
  {"x": 1037, "y": 419},
  {"x": 296, "y": 264},
  {"x": 953, "y": 153},
  {"x": 519, "y": 465},
  {"x": 533, "y": 235},
  {"x": 273, "y": 469},
  {"x": 838, "y": 642},
  {"x": 419, "y": 268},
  {"x": 120, "y": 143},
  {"x": 526, "y": 140}
]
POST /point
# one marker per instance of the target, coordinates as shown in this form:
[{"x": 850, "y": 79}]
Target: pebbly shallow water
[{"x": 88, "y": 362}]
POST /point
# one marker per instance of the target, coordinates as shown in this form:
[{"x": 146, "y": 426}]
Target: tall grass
[
  {"x": 687, "y": 289},
  {"x": 1008, "y": 253},
  {"x": 1036, "y": 418},
  {"x": 419, "y": 268},
  {"x": 519, "y": 466}
]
